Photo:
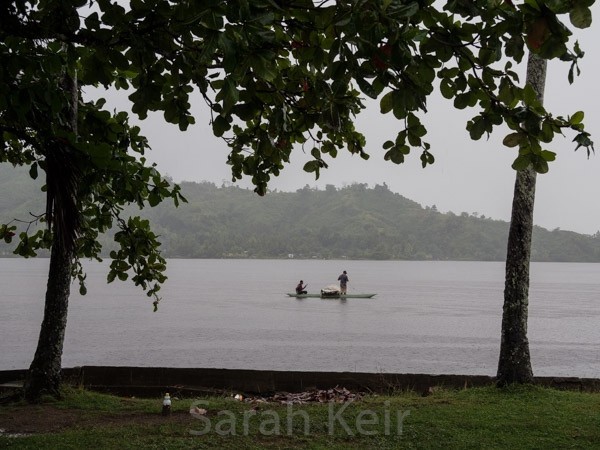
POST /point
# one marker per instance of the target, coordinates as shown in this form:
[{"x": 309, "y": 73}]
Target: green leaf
[
  {"x": 426, "y": 158},
  {"x": 311, "y": 166},
  {"x": 447, "y": 88},
  {"x": 559, "y": 6},
  {"x": 229, "y": 94},
  {"x": 461, "y": 101},
  {"x": 246, "y": 111},
  {"x": 477, "y": 128},
  {"x": 581, "y": 16},
  {"x": 540, "y": 165},
  {"x": 262, "y": 68},
  {"x": 220, "y": 126},
  {"x": 576, "y": 118},
  {"x": 529, "y": 95},
  {"x": 33, "y": 172},
  {"x": 387, "y": 103},
  {"x": 521, "y": 162},
  {"x": 547, "y": 133},
  {"x": 394, "y": 155},
  {"x": 366, "y": 87},
  {"x": 514, "y": 139},
  {"x": 548, "y": 155}
]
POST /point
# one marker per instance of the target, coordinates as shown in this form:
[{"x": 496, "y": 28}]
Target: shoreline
[{"x": 152, "y": 381}]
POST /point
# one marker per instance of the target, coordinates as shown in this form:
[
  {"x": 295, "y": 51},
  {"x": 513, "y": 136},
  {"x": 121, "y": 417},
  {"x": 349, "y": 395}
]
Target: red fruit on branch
[
  {"x": 381, "y": 57},
  {"x": 305, "y": 85},
  {"x": 538, "y": 32}
]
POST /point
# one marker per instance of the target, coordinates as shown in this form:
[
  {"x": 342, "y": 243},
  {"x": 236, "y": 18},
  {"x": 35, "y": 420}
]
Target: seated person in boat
[{"x": 300, "y": 289}]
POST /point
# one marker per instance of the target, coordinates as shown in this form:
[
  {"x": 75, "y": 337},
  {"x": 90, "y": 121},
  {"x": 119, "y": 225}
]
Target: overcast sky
[{"x": 468, "y": 176}]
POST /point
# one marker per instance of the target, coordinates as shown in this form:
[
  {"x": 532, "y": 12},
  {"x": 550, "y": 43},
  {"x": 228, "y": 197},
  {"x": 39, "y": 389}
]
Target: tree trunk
[
  {"x": 44, "y": 374},
  {"x": 514, "y": 365}
]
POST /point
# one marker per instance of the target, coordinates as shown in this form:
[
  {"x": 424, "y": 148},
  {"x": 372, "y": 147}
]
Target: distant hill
[{"x": 355, "y": 222}]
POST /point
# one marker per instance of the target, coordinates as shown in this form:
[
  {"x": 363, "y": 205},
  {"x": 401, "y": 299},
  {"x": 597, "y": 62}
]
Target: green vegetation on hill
[
  {"x": 352, "y": 222},
  {"x": 355, "y": 222}
]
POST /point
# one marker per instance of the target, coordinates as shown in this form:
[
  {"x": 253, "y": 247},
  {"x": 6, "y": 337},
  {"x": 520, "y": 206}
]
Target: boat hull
[{"x": 331, "y": 296}]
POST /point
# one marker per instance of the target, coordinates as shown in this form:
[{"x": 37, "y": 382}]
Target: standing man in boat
[
  {"x": 300, "y": 289},
  {"x": 343, "y": 279}
]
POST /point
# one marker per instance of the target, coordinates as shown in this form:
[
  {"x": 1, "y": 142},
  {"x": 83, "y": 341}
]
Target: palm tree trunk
[{"x": 514, "y": 364}]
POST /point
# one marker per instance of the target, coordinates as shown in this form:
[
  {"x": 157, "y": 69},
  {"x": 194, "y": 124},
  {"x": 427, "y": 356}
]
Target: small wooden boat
[{"x": 338, "y": 295}]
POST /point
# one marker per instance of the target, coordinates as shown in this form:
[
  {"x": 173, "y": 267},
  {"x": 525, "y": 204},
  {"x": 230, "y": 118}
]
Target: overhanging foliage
[{"x": 276, "y": 75}]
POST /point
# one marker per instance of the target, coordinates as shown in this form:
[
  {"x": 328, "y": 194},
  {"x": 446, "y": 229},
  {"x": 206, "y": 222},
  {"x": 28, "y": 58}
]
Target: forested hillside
[{"x": 355, "y": 222}]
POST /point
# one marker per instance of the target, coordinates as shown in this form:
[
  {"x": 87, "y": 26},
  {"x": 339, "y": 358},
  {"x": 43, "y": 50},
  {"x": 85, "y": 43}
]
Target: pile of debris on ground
[{"x": 336, "y": 395}]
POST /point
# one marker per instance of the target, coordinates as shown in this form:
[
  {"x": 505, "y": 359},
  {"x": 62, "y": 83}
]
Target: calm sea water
[{"x": 427, "y": 317}]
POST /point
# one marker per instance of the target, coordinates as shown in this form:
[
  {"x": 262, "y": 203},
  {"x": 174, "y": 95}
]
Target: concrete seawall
[{"x": 151, "y": 381}]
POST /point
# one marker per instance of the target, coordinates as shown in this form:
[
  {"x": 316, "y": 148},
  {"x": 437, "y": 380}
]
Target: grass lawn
[{"x": 523, "y": 417}]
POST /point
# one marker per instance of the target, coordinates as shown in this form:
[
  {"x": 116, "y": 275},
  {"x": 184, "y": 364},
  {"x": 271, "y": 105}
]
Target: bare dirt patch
[{"x": 49, "y": 419}]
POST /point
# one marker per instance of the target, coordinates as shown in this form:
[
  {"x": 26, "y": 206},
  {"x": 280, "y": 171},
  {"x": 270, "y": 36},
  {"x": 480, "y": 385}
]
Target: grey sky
[{"x": 466, "y": 177}]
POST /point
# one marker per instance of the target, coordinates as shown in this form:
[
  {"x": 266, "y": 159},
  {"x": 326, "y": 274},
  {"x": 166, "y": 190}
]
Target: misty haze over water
[{"x": 427, "y": 317}]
